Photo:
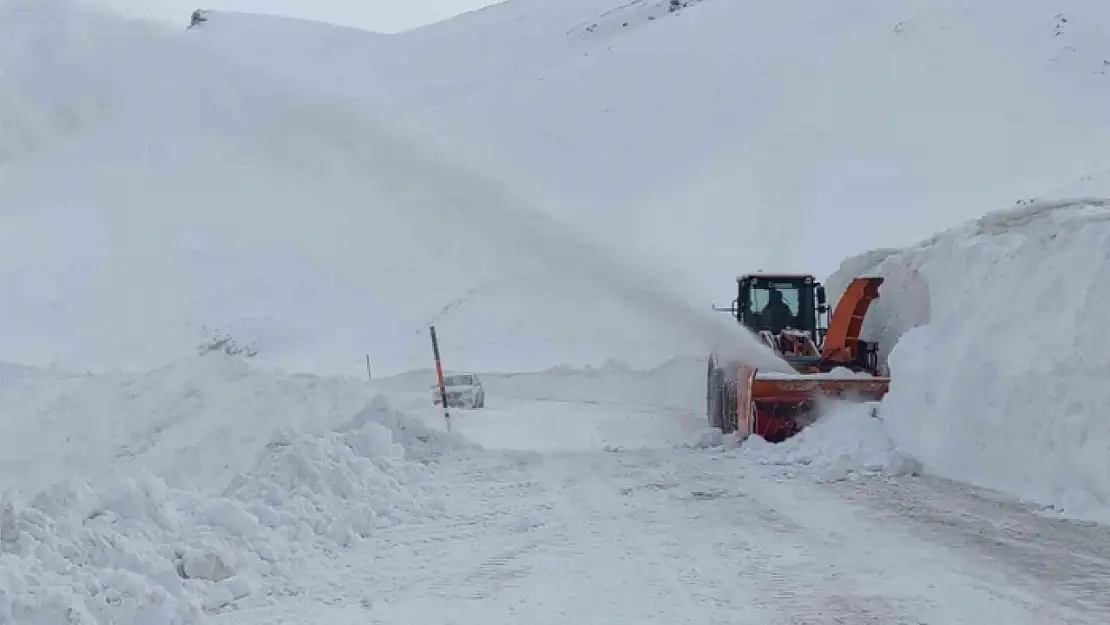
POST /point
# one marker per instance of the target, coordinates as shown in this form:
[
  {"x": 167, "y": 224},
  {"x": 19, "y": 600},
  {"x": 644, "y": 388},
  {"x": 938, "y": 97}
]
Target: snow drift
[
  {"x": 999, "y": 350},
  {"x": 138, "y": 546}
]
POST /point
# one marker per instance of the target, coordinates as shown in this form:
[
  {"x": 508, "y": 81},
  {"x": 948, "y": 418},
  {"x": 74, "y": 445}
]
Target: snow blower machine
[{"x": 789, "y": 314}]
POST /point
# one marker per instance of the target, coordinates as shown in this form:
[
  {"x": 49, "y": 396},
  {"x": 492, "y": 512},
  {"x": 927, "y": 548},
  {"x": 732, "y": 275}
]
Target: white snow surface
[
  {"x": 201, "y": 198},
  {"x": 848, "y": 438},
  {"x": 730, "y": 136},
  {"x": 997, "y": 330},
  {"x": 167, "y": 496},
  {"x": 158, "y": 498},
  {"x": 677, "y": 384},
  {"x": 380, "y": 516}
]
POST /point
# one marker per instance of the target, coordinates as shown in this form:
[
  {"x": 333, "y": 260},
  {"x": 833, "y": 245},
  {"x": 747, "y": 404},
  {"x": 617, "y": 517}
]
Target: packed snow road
[{"x": 663, "y": 534}]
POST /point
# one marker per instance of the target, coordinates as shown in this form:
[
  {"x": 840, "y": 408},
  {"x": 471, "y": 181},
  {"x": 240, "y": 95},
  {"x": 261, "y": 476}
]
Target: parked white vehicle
[{"x": 464, "y": 390}]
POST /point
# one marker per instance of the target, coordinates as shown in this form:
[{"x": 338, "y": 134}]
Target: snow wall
[{"x": 995, "y": 333}]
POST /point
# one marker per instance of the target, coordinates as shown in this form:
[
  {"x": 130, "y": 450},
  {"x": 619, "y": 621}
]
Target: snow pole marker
[
  {"x": 368, "y": 375},
  {"x": 439, "y": 376}
]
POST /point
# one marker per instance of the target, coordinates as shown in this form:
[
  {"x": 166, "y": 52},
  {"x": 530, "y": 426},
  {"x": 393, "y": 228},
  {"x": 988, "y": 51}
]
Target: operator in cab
[{"x": 776, "y": 314}]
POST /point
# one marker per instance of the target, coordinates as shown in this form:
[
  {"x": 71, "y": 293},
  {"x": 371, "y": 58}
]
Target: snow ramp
[{"x": 995, "y": 335}]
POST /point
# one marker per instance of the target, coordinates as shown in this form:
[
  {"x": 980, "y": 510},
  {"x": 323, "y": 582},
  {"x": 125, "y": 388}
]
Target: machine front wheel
[{"x": 715, "y": 398}]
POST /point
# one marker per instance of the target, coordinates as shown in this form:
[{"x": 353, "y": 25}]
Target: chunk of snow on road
[
  {"x": 847, "y": 438},
  {"x": 996, "y": 331},
  {"x": 709, "y": 437}
]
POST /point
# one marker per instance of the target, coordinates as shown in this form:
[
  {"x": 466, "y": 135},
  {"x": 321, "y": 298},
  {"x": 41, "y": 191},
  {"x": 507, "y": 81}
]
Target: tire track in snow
[
  {"x": 493, "y": 574},
  {"x": 1069, "y": 558},
  {"x": 694, "y": 536},
  {"x": 498, "y": 497},
  {"x": 958, "y": 582},
  {"x": 787, "y": 569},
  {"x": 665, "y": 574}
]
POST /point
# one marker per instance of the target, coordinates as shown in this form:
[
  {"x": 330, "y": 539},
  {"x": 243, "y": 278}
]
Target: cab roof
[{"x": 778, "y": 276}]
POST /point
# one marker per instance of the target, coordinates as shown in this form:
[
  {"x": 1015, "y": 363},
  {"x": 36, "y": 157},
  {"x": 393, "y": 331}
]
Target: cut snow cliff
[{"x": 1000, "y": 351}]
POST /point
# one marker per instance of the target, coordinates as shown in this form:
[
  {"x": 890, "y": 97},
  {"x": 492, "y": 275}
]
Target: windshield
[
  {"x": 458, "y": 380},
  {"x": 778, "y": 303},
  {"x": 763, "y": 294}
]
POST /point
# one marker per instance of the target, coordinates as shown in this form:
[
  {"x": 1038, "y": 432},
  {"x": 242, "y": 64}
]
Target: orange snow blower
[{"x": 789, "y": 314}]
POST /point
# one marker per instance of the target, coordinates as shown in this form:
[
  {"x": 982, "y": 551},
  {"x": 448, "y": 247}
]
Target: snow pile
[
  {"x": 419, "y": 441},
  {"x": 847, "y": 438},
  {"x": 344, "y": 485},
  {"x": 711, "y": 437},
  {"x": 195, "y": 422},
  {"x": 1000, "y": 351},
  {"x": 138, "y": 551}
]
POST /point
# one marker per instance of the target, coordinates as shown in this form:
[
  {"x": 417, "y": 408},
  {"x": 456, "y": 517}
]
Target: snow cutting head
[{"x": 789, "y": 314}]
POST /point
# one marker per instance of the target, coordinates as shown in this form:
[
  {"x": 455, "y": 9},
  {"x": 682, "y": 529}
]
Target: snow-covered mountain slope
[
  {"x": 999, "y": 348},
  {"x": 157, "y": 196},
  {"x": 377, "y": 15},
  {"x": 727, "y": 135}
]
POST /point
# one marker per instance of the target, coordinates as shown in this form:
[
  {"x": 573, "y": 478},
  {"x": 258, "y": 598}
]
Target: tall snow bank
[
  {"x": 999, "y": 351},
  {"x": 140, "y": 552},
  {"x": 195, "y": 422}
]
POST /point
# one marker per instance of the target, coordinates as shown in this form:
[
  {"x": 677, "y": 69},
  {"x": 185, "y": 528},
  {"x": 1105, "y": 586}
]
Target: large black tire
[
  {"x": 709, "y": 390},
  {"x": 727, "y": 425},
  {"x": 715, "y": 396}
]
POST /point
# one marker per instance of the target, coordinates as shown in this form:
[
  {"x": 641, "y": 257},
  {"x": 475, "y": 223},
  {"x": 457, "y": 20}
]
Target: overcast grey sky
[{"x": 377, "y": 15}]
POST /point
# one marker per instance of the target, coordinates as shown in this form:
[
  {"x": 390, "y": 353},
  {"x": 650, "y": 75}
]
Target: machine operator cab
[
  {"x": 776, "y": 302},
  {"x": 789, "y": 314}
]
